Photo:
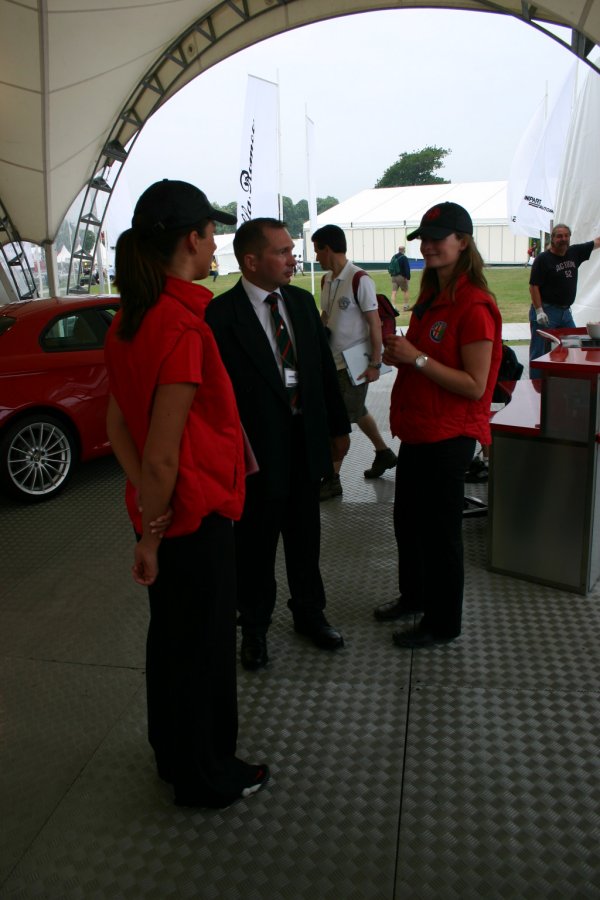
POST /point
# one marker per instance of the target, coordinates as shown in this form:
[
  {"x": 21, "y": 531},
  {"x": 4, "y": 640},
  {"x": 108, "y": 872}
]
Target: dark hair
[
  {"x": 469, "y": 263},
  {"x": 141, "y": 260},
  {"x": 250, "y": 237},
  {"x": 330, "y": 236},
  {"x": 560, "y": 225}
]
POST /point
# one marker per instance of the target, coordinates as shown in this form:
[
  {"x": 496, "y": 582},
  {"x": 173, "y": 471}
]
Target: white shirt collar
[{"x": 257, "y": 295}]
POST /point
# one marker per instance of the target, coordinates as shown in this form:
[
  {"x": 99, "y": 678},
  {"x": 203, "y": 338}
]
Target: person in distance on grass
[{"x": 399, "y": 270}]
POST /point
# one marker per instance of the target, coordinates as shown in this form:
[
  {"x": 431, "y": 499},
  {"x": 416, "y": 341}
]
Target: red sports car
[{"x": 53, "y": 391}]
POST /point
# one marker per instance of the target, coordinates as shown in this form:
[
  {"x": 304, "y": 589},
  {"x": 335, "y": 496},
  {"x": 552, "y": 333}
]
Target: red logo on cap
[{"x": 433, "y": 213}]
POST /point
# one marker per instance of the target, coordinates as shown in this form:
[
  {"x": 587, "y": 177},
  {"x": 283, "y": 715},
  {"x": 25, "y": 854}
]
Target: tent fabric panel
[
  {"x": 23, "y": 197},
  {"x": 87, "y": 45},
  {"x": 19, "y": 47},
  {"x": 21, "y": 144},
  {"x": 566, "y": 11}
]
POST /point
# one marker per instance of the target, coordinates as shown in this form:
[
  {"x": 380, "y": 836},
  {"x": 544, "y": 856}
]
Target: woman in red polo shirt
[
  {"x": 440, "y": 406},
  {"x": 175, "y": 429}
]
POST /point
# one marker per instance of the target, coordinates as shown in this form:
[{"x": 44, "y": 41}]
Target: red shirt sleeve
[
  {"x": 477, "y": 325},
  {"x": 183, "y": 365}
]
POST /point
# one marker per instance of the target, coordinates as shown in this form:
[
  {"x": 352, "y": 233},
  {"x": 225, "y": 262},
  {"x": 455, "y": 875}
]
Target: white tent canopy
[
  {"x": 225, "y": 255},
  {"x": 77, "y": 75},
  {"x": 376, "y": 221}
]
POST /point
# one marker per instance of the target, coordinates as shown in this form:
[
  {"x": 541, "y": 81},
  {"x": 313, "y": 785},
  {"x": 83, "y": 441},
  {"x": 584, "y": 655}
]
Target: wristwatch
[
  {"x": 421, "y": 361},
  {"x": 374, "y": 366}
]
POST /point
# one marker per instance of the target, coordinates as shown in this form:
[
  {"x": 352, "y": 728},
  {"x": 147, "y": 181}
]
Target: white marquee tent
[{"x": 377, "y": 221}]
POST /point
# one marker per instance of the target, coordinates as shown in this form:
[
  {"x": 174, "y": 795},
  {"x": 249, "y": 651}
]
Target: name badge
[{"x": 291, "y": 378}]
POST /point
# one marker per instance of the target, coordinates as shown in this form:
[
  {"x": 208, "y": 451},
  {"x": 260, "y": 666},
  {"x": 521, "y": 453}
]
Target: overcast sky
[{"x": 375, "y": 84}]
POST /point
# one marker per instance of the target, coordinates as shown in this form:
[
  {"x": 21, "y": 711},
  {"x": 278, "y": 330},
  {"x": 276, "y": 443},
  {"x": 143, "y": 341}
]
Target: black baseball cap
[
  {"x": 442, "y": 220},
  {"x": 167, "y": 205}
]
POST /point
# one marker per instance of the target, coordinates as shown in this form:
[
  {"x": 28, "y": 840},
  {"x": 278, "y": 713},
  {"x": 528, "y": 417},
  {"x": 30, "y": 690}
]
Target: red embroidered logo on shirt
[{"x": 437, "y": 331}]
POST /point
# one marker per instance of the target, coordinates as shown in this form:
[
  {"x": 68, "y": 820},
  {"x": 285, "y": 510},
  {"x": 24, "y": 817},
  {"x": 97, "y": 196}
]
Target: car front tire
[{"x": 37, "y": 457}]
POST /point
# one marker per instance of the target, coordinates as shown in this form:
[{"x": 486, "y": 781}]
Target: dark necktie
[{"x": 284, "y": 345}]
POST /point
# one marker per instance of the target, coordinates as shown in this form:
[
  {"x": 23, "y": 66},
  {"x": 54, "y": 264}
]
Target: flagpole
[
  {"x": 312, "y": 203},
  {"x": 280, "y": 177}
]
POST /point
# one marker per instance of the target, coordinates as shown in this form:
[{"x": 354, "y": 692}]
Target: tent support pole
[{"x": 51, "y": 268}]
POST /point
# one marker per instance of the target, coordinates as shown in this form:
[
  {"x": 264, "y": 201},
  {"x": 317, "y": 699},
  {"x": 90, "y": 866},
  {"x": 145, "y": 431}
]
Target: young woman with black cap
[
  {"x": 440, "y": 406},
  {"x": 175, "y": 429}
]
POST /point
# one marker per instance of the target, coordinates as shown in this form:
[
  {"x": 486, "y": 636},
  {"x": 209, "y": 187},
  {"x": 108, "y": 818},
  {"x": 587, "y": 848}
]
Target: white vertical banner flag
[
  {"x": 259, "y": 163},
  {"x": 578, "y": 202},
  {"x": 535, "y": 210},
  {"x": 520, "y": 169}
]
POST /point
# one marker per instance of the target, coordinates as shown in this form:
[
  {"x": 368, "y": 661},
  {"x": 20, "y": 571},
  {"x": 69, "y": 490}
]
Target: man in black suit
[{"x": 276, "y": 352}]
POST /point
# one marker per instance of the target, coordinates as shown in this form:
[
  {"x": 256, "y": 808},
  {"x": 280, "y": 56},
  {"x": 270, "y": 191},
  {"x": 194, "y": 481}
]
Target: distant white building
[{"x": 377, "y": 221}]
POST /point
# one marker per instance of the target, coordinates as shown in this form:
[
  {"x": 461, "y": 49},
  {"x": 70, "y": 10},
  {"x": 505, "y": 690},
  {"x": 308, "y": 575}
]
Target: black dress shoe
[
  {"x": 395, "y": 609},
  {"x": 322, "y": 634},
  {"x": 253, "y": 653},
  {"x": 420, "y": 637},
  {"x": 212, "y": 799}
]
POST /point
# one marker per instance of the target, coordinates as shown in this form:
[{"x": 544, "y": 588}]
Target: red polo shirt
[
  {"x": 174, "y": 345},
  {"x": 422, "y": 411}
]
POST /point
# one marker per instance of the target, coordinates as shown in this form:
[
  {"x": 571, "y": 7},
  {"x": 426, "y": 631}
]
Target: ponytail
[
  {"x": 142, "y": 258},
  {"x": 140, "y": 278}
]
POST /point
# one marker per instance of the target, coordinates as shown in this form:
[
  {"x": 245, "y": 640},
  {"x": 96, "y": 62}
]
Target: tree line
[
  {"x": 294, "y": 214},
  {"x": 416, "y": 167}
]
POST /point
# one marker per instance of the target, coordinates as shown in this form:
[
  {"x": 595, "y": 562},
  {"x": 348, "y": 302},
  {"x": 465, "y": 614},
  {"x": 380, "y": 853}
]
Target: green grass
[{"x": 510, "y": 285}]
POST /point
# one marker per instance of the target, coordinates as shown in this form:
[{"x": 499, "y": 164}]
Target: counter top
[
  {"x": 570, "y": 362},
  {"x": 522, "y": 414}
]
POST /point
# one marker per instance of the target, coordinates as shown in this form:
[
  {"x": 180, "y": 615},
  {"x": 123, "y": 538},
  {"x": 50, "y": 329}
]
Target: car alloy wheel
[{"x": 37, "y": 456}]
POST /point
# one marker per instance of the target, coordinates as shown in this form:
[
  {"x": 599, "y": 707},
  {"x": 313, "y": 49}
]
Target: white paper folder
[{"x": 357, "y": 360}]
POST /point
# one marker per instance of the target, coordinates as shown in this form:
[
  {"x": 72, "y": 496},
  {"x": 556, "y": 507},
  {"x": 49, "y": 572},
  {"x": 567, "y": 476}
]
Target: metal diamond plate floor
[{"x": 465, "y": 771}]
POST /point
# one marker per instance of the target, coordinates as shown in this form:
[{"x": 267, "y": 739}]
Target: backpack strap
[{"x": 355, "y": 282}]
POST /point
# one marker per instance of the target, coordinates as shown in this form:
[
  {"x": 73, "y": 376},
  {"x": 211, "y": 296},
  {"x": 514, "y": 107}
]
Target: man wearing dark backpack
[
  {"x": 349, "y": 310},
  {"x": 399, "y": 269}
]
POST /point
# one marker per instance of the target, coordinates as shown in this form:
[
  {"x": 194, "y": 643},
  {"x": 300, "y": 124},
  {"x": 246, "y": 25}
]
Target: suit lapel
[
  {"x": 302, "y": 339},
  {"x": 254, "y": 342}
]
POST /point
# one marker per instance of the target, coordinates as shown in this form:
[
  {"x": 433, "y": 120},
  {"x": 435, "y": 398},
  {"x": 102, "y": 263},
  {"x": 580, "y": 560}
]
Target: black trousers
[
  {"x": 296, "y": 518},
  {"x": 191, "y": 665},
  {"x": 428, "y": 516}
]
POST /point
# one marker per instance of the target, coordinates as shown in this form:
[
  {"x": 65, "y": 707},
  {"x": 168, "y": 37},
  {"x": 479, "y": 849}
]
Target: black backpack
[{"x": 510, "y": 370}]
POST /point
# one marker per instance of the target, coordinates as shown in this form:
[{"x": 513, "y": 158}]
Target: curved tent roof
[
  {"x": 378, "y": 207},
  {"x": 78, "y": 79}
]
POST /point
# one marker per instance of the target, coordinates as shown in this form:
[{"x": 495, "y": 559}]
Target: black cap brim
[
  {"x": 223, "y": 217},
  {"x": 436, "y": 234}
]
